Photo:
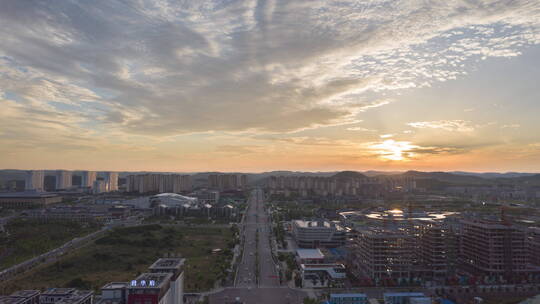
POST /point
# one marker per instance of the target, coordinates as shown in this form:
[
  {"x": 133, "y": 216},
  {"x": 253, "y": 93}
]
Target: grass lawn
[
  {"x": 126, "y": 252},
  {"x": 28, "y": 238}
]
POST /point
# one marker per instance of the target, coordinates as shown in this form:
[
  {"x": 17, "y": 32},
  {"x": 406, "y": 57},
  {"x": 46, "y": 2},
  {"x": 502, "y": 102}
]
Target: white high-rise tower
[
  {"x": 63, "y": 179},
  {"x": 87, "y": 179},
  {"x": 111, "y": 181},
  {"x": 34, "y": 180}
]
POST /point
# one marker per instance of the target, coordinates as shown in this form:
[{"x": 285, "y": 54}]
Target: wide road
[
  {"x": 246, "y": 276},
  {"x": 257, "y": 250},
  {"x": 269, "y": 276},
  {"x": 267, "y": 289}
]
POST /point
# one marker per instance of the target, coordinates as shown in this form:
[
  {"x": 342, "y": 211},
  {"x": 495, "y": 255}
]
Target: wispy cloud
[
  {"x": 90, "y": 74},
  {"x": 447, "y": 125},
  {"x": 394, "y": 150},
  {"x": 167, "y": 67},
  {"x": 511, "y": 126}
]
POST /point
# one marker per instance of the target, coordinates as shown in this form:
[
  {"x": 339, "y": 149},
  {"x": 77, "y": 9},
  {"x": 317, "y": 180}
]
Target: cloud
[
  {"x": 393, "y": 150},
  {"x": 238, "y": 149},
  {"x": 447, "y": 125},
  {"x": 511, "y": 126},
  {"x": 164, "y": 68},
  {"x": 310, "y": 141},
  {"x": 360, "y": 129}
]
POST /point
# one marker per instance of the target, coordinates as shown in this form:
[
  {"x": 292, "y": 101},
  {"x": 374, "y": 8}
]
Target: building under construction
[
  {"x": 494, "y": 248},
  {"x": 380, "y": 253},
  {"x": 415, "y": 249}
]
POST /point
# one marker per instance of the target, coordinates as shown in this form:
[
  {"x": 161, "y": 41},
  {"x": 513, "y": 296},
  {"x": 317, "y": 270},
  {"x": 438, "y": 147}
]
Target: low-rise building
[
  {"x": 321, "y": 275},
  {"x": 29, "y": 296},
  {"x": 406, "y": 298},
  {"x": 151, "y": 288},
  {"x": 28, "y": 199},
  {"x": 163, "y": 284},
  {"x": 69, "y": 213},
  {"x": 314, "y": 234},
  {"x": 66, "y": 296},
  {"x": 309, "y": 256},
  {"x": 114, "y": 293},
  {"x": 347, "y": 298},
  {"x": 11, "y": 300}
]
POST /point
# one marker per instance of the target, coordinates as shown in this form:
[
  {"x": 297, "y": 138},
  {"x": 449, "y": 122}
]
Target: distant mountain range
[{"x": 430, "y": 179}]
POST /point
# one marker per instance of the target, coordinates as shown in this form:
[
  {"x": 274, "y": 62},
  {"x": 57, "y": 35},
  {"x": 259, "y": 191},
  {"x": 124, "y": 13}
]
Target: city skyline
[{"x": 260, "y": 86}]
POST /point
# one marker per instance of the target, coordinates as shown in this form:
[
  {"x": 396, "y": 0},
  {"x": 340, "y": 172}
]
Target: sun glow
[{"x": 394, "y": 150}]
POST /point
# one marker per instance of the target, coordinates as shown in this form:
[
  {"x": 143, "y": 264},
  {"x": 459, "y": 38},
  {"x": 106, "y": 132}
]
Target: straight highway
[
  {"x": 257, "y": 267},
  {"x": 257, "y": 278}
]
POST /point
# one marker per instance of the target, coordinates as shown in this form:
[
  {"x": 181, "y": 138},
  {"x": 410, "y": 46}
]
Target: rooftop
[
  {"x": 11, "y": 300},
  {"x": 167, "y": 263},
  {"x": 115, "y": 285},
  {"x": 348, "y": 295},
  {"x": 176, "y": 196},
  {"x": 383, "y": 232},
  {"x": 321, "y": 266},
  {"x": 404, "y": 294},
  {"x": 150, "y": 280},
  {"x": 25, "y": 293},
  {"x": 317, "y": 224},
  {"x": 309, "y": 253},
  {"x": 57, "y": 291},
  {"x": 27, "y": 194},
  {"x": 75, "y": 297}
]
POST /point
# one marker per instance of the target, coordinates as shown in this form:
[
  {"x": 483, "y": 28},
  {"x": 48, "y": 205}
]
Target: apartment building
[
  {"x": 88, "y": 178},
  {"x": 224, "y": 182},
  {"x": 338, "y": 185},
  {"x": 34, "y": 180},
  {"x": 111, "y": 181},
  {"x": 162, "y": 183},
  {"x": 63, "y": 179}
]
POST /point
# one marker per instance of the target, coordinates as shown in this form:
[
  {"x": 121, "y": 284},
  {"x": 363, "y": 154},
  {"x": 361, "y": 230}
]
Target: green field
[
  {"x": 26, "y": 239},
  {"x": 126, "y": 252}
]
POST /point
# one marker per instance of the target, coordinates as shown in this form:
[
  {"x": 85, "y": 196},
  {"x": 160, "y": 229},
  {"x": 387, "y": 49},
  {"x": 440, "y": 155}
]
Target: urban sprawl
[{"x": 277, "y": 237}]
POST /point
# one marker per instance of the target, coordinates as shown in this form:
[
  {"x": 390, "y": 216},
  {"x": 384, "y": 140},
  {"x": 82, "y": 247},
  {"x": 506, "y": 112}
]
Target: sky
[{"x": 224, "y": 85}]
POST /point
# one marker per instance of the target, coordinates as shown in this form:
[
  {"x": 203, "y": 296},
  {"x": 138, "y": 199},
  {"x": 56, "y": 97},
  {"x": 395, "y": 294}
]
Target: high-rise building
[
  {"x": 227, "y": 181},
  {"x": 88, "y": 178},
  {"x": 99, "y": 186},
  {"x": 34, "y": 180},
  {"x": 111, "y": 181},
  {"x": 162, "y": 183},
  {"x": 342, "y": 184},
  {"x": 63, "y": 179}
]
